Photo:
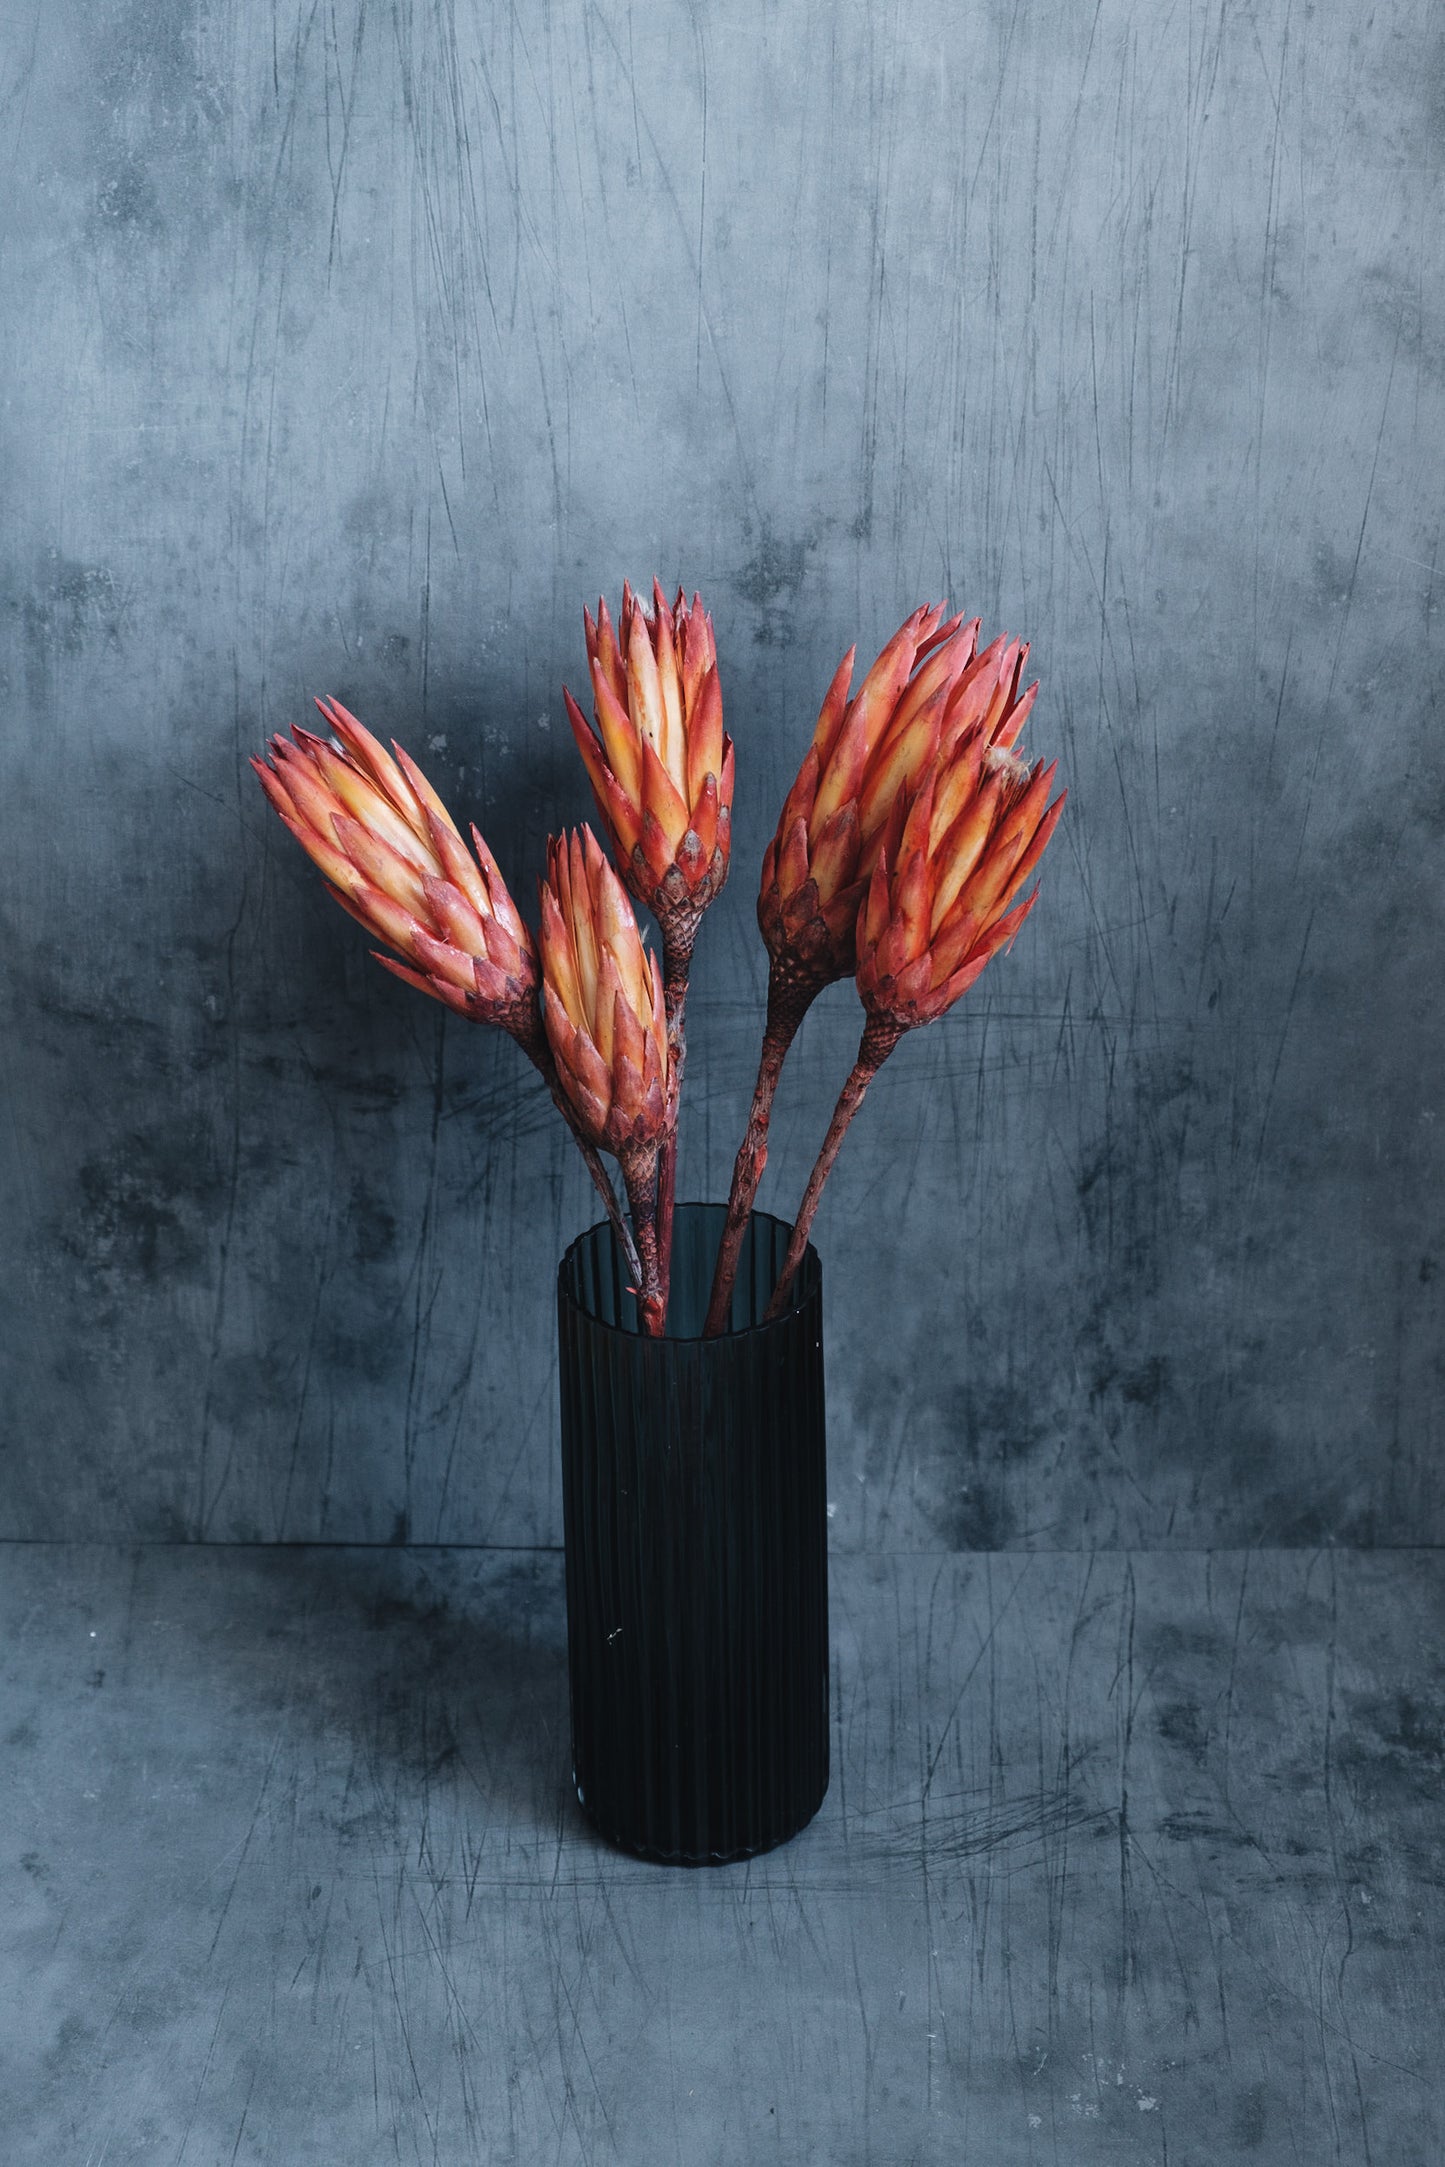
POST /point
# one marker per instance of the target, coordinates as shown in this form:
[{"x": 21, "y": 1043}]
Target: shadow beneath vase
[{"x": 439, "y": 1677}]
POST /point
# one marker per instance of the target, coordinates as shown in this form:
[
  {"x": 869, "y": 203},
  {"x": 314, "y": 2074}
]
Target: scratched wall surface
[{"x": 351, "y": 349}]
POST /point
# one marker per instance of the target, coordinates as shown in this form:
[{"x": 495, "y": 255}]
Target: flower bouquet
[{"x": 693, "y": 1455}]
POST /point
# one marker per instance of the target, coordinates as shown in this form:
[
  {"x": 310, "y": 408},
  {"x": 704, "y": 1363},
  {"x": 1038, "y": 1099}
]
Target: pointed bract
[
  {"x": 941, "y": 897},
  {"x": 392, "y": 856},
  {"x": 657, "y": 756},
  {"x": 927, "y": 690},
  {"x": 602, "y": 1007}
]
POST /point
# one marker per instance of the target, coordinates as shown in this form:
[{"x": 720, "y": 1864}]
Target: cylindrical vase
[{"x": 694, "y": 1488}]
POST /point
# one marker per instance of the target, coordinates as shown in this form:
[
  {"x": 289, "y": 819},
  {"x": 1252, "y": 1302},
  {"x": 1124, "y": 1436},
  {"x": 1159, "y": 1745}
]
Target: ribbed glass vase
[{"x": 694, "y": 1493}]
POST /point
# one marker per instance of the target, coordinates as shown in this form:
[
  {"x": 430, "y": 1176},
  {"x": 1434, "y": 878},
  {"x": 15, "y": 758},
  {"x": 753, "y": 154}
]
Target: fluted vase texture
[{"x": 694, "y": 1488}]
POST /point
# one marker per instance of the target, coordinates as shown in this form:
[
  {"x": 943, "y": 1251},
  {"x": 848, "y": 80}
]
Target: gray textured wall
[{"x": 350, "y": 349}]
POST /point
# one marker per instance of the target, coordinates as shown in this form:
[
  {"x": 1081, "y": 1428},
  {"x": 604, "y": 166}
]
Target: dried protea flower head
[
  {"x": 957, "y": 696},
  {"x": 942, "y": 904},
  {"x": 393, "y": 858},
  {"x": 602, "y": 1000},
  {"x": 659, "y": 760},
  {"x": 944, "y": 896},
  {"x": 605, "y": 1018},
  {"x": 928, "y": 689}
]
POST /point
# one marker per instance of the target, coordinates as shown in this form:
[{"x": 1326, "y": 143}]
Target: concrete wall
[{"x": 352, "y": 349}]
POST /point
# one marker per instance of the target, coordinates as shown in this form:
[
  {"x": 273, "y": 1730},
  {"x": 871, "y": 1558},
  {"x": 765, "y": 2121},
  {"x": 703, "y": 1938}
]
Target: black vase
[{"x": 694, "y": 1489}]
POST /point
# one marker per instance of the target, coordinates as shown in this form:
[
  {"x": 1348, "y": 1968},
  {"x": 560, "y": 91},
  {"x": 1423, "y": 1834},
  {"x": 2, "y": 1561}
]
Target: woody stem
[
  {"x": 879, "y": 1039},
  {"x": 640, "y": 1178},
  {"x": 608, "y": 1194},
  {"x": 679, "y": 932},
  {"x": 539, "y": 1053},
  {"x": 787, "y": 1006}
]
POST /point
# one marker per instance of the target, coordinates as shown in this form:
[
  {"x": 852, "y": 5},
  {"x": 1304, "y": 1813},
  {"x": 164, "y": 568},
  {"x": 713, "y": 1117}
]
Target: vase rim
[{"x": 807, "y": 1284}]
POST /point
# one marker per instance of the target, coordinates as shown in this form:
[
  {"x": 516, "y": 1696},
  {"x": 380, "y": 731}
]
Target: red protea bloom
[
  {"x": 603, "y": 1009},
  {"x": 972, "y": 838},
  {"x": 929, "y": 692},
  {"x": 602, "y": 998},
  {"x": 661, "y": 767},
  {"x": 659, "y": 760},
  {"x": 945, "y": 895},
  {"x": 393, "y": 858}
]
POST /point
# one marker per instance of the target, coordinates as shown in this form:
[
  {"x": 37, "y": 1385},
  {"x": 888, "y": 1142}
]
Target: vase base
[{"x": 654, "y": 1855}]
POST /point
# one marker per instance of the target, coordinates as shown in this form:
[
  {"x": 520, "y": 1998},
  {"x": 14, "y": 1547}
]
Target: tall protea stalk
[
  {"x": 604, "y": 1012},
  {"x": 393, "y": 858},
  {"x": 942, "y": 901},
  {"x": 661, "y": 768},
  {"x": 927, "y": 692}
]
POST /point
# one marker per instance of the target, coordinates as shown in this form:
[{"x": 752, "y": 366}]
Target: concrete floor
[{"x": 1125, "y": 1858}]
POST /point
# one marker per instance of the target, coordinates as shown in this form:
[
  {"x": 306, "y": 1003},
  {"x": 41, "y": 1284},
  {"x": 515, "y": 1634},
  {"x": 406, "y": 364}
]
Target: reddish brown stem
[
  {"x": 593, "y": 1160},
  {"x": 679, "y": 932},
  {"x": 879, "y": 1039},
  {"x": 539, "y": 1053},
  {"x": 640, "y": 1178},
  {"x": 788, "y": 1003}
]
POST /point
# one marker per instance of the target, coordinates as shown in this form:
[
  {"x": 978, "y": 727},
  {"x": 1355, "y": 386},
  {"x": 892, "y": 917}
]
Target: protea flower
[
  {"x": 973, "y": 835},
  {"x": 602, "y": 1004},
  {"x": 939, "y": 907},
  {"x": 661, "y": 768},
  {"x": 393, "y": 858},
  {"x": 929, "y": 691},
  {"x": 659, "y": 761}
]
